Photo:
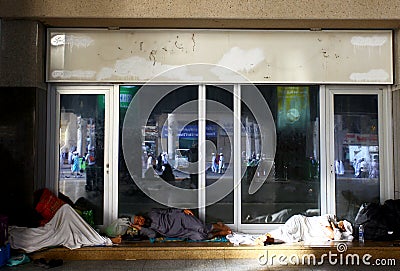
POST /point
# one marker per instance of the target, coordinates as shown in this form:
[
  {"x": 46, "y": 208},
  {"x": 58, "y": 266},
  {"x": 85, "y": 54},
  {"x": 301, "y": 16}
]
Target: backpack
[
  {"x": 91, "y": 158},
  {"x": 376, "y": 220}
]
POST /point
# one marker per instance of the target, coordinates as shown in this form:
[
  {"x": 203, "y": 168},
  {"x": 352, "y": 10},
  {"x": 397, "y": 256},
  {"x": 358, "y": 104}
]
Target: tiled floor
[{"x": 191, "y": 265}]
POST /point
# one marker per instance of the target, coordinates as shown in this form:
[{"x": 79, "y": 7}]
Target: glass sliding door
[
  {"x": 83, "y": 167},
  {"x": 356, "y": 152}
]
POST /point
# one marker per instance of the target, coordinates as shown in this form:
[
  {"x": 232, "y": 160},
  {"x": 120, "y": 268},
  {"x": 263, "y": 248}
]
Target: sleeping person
[
  {"x": 303, "y": 228},
  {"x": 66, "y": 228},
  {"x": 177, "y": 223}
]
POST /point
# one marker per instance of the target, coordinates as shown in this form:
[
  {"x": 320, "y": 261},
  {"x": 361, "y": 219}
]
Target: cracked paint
[
  {"x": 152, "y": 56},
  {"x": 179, "y": 46},
  {"x": 137, "y": 68}
]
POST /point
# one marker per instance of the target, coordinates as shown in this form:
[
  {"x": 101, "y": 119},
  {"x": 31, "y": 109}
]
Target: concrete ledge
[{"x": 183, "y": 250}]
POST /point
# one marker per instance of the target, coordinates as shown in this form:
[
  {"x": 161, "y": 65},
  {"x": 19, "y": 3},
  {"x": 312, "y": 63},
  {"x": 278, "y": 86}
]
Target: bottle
[{"x": 361, "y": 234}]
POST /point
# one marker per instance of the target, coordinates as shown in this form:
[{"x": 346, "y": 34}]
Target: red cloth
[{"x": 48, "y": 205}]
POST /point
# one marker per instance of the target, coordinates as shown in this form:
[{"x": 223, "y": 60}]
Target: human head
[
  {"x": 345, "y": 226},
  {"x": 138, "y": 220}
]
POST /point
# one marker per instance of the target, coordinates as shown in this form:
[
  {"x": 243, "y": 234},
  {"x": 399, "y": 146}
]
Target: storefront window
[
  {"x": 157, "y": 156},
  {"x": 292, "y": 184},
  {"x": 219, "y": 153}
]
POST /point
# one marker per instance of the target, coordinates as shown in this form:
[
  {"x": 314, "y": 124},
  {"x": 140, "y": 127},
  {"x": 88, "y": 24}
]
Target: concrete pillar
[
  {"x": 22, "y": 54},
  {"x": 23, "y": 103}
]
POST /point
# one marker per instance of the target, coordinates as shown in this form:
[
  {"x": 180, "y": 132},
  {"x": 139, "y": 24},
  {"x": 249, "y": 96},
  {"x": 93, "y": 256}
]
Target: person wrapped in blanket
[
  {"x": 303, "y": 228},
  {"x": 67, "y": 228},
  {"x": 177, "y": 223},
  {"x": 61, "y": 225}
]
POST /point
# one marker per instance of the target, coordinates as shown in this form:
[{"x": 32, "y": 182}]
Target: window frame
[
  {"x": 327, "y": 186},
  {"x": 384, "y": 138}
]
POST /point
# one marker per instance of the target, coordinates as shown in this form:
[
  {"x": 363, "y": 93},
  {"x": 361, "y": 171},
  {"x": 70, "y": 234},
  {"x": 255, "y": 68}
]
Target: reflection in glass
[
  {"x": 356, "y": 153},
  {"x": 167, "y": 143},
  {"x": 219, "y": 154},
  {"x": 82, "y": 151},
  {"x": 293, "y": 184}
]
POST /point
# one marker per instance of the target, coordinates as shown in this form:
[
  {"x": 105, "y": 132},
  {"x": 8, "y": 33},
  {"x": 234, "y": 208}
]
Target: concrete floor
[{"x": 192, "y": 265}]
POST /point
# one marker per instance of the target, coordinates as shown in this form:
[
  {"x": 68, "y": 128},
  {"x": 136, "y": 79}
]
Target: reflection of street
[
  {"x": 184, "y": 179},
  {"x": 74, "y": 186}
]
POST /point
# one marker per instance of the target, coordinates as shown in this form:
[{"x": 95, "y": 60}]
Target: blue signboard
[{"x": 191, "y": 131}]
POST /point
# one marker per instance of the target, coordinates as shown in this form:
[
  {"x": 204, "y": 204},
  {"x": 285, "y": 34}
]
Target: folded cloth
[
  {"x": 67, "y": 228},
  {"x": 242, "y": 238}
]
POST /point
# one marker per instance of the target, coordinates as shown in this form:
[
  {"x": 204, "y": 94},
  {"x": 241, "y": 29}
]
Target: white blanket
[
  {"x": 67, "y": 228},
  {"x": 299, "y": 228},
  {"x": 310, "y": 229}
]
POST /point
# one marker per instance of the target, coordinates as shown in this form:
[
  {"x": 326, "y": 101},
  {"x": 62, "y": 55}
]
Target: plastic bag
[
  {"x": 117, "y": 227},
  {"x": 88, "y": 217}
]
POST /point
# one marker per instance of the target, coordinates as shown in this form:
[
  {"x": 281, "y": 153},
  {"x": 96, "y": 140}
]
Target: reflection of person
[
  {"x": 177, "y": 223},
  {"x": 91, "y": 170},
  {"x": 75, "y": 167},
  {"x": 216, "y": 161},
  {"x": 374, "y": 169},
  {"x": 356, "y": 166},
  {"x": 302, "y": 228},
  {"x": 221, "y": 164},
  {"x": 213, "y": 164},
  {"x": 164, "y": 158},
  {"x": 164, "y": 170},
  {"x": 363, "y": 168},
  {"x": 150, "y": 160}
]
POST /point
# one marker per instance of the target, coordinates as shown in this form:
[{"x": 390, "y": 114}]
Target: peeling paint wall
[{"x": 351, "y": 57}]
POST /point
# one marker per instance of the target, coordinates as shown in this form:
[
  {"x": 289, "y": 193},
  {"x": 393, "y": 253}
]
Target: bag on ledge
[{"x": 3, "y": 230}]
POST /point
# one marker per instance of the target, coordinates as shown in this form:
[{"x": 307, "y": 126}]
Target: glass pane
[
  {"x": 82, "y": 151},
  {"x": 290, "y": 183},
  {"x": 356, "y": 153},
  {"x": 160, "y": 124},
  {"x": 219, "y": 154}
]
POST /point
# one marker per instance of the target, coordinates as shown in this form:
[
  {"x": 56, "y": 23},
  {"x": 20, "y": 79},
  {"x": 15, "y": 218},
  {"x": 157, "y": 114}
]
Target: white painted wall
[{"x": 351, "y": 57}]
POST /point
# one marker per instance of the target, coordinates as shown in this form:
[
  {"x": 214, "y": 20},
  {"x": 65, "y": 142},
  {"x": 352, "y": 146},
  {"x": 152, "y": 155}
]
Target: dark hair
[{"x": 147, "y": 220}]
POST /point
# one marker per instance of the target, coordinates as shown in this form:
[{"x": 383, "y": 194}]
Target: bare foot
[
  {"x": 260, "y": 240},
  {"x": 264, "y": 239},
  {"x": 116, "y": 240}
]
